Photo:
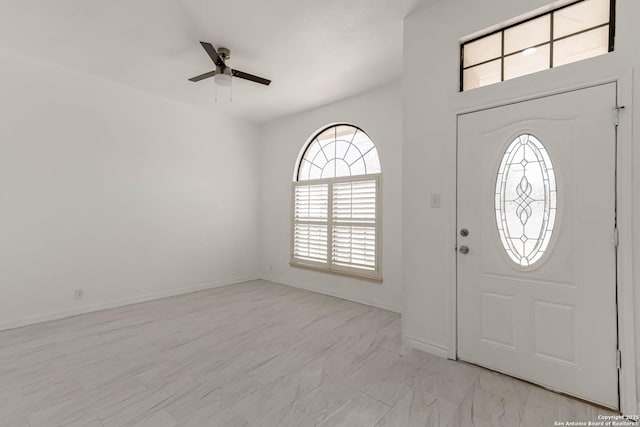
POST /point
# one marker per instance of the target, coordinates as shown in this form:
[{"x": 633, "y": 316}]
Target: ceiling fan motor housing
[{"x": 224, "y": 53}]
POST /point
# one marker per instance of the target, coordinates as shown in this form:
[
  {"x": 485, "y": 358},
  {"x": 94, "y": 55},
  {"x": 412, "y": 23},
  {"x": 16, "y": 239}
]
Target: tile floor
[{"x": 254, "y": 354}]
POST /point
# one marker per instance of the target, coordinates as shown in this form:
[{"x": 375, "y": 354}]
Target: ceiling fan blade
[
  {"x": 203, "y": 76},
  {"x": 213, "y": 54},
  {"x": 251, "y": 77}
]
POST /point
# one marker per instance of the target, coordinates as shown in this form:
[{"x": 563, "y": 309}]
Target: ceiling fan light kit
[
  {"x": 223, "y": 78},
  {"x": 223, "y": 74}
]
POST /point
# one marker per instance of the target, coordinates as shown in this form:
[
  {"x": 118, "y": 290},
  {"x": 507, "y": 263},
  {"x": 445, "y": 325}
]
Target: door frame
[{"x": 628, "y": 395}]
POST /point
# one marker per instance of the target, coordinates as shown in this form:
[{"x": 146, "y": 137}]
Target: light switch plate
[{"x": 435, "y": 200}]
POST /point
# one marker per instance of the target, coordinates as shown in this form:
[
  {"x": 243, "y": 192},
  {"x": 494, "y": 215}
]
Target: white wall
[
  {"x": 431, "y": 100},
  {"x": 121, "y": 193},
  {"x": 377, "y": 112}
]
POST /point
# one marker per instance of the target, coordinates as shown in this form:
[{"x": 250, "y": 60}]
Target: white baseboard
[
  {"x": 377, "y": 304},
  {"x": 11, "y": 324},
  {"x": 428, "y": 347}
]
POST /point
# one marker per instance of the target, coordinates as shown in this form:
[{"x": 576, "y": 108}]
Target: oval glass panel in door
[{"x": 525, "y": 200}]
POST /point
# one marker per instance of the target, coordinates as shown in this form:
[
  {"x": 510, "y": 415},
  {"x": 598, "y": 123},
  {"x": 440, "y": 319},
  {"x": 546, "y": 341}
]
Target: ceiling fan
[{"x": 223, "y": 73}]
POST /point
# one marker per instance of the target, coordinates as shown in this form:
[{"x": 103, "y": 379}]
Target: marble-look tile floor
[{"x": 254, "y": 354}]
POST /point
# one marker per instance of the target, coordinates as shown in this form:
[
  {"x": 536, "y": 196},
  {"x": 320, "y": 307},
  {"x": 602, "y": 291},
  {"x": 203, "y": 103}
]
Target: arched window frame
[{"x": 333, "y": 230}]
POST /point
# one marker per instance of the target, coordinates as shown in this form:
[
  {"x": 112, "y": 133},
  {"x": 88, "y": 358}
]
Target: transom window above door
[
  {"x": 336, "y": 204},
  {"x": 571, "y": 33}
]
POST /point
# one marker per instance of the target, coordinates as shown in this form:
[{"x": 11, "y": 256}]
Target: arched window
[
  {"x": 341, "y": 150},
  {"x": 336, "y": 203}
]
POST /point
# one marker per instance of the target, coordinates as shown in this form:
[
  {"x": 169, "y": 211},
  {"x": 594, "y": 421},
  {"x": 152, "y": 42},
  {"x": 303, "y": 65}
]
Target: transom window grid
[
  {"x": 539, "y": 44},
  {"x": 336, "y": 204}
]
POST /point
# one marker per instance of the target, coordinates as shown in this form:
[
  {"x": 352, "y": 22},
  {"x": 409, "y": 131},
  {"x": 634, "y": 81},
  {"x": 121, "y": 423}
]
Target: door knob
[{"x": 464, "y": 250}]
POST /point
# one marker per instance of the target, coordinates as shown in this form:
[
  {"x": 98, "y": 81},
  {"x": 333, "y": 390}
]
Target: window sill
[{"x": 375, "y": 277}]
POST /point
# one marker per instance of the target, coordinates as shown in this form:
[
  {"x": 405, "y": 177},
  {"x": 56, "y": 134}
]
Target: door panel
[{"x": 552, "y": 322}]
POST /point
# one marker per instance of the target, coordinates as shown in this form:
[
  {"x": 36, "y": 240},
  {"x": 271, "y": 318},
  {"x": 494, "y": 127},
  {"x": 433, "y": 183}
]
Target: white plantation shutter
[
  {"x": 311, "y": 242},
  {"x": 354, "y": 247},
  {"x": 311, "y": 202},
  {"x": 311, "y": 207},
  {"x": 336, "y": 224},
  {"x": 354, "y": 224}
]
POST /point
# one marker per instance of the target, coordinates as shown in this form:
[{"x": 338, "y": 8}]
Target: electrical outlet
[{"x": 78, "y": 293}]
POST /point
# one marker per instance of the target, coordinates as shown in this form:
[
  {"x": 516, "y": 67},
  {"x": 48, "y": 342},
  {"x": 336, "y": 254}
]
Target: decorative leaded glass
[
  {"x": 525, "y": 200},
  {"x": 341, "y": 150}
]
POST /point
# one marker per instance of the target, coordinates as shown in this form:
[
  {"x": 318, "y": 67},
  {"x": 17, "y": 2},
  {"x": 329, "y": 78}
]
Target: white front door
[{"x": 536, "y": 242}]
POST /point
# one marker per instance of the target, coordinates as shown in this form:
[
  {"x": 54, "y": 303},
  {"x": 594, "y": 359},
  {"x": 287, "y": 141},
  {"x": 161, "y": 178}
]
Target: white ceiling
[{"x": 314, "y": 51}]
